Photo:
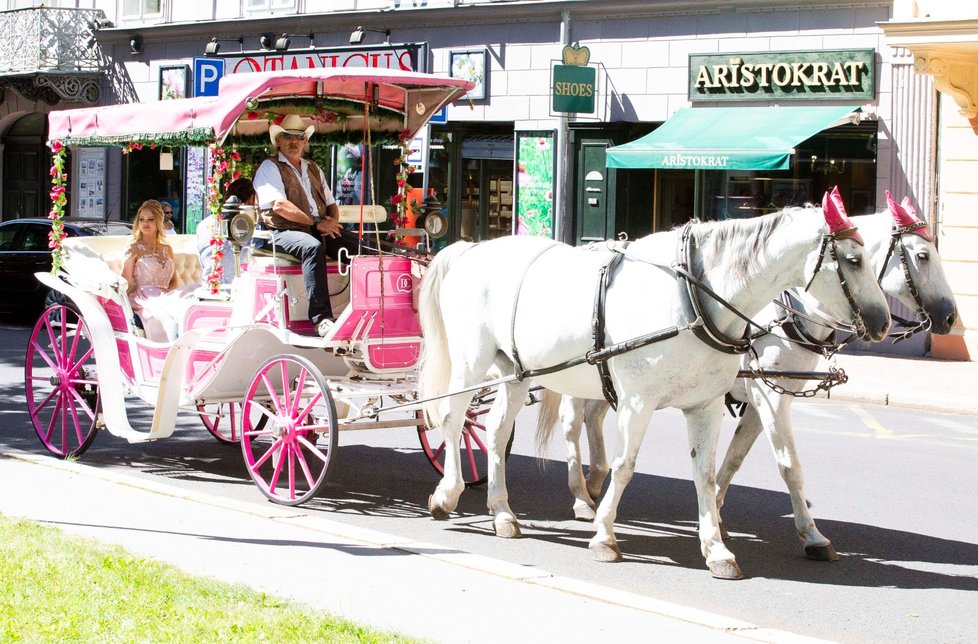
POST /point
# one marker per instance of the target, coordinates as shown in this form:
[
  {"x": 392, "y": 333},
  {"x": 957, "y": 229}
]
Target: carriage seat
[
  {"x": 98, "y": 260},
  {"x": 265, "y": 258}
]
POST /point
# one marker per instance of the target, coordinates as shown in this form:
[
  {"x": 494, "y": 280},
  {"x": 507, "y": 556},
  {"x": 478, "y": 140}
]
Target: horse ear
[
  {"x": 909, "y": 207},
  {"x": 835, "y": 215},
  {"x": 905, "y": 215}
]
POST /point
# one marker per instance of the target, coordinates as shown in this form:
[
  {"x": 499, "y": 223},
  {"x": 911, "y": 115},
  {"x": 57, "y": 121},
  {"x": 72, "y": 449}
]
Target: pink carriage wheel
[
  {"x": 61, "y": 383},
  {"x": 475, "y": 453},
  {"x": 291, "y": 456}
]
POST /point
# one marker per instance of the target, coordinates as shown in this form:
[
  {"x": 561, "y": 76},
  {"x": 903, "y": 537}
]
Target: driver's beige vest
[{"x": 295, "y": 194}]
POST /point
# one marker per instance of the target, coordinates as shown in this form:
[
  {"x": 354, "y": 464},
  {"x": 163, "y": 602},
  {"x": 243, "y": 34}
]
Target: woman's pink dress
[{"x": 159, "y": 309}]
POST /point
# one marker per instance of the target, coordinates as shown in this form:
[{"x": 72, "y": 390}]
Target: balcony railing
[{"x": 49, "y": 54}]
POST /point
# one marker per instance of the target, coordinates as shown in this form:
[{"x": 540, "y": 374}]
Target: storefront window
[
  {"x": 844, "y": 156},
  {"x": 146, "y": 180}
]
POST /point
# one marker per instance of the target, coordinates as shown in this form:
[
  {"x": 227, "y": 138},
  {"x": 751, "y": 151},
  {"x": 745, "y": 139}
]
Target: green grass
[{"x": 56, "y": 587}]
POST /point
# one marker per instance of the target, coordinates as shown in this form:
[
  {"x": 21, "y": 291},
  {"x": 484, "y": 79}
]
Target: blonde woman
[{"x": 154, "y": 287}]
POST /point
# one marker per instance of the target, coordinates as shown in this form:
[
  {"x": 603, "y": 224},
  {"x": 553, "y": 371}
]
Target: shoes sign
[{"x": 574, "y": 82}]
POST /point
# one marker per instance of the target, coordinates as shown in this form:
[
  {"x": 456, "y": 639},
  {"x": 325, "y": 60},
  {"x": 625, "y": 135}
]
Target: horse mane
[{"x": 738, "y": 246}]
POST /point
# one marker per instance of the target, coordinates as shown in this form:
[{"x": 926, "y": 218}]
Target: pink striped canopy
[{"x": 411, "y": 96}]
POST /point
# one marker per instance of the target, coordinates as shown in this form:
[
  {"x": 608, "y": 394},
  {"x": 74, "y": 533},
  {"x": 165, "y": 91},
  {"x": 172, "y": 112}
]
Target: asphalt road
[{"x": 893, "y": 489}]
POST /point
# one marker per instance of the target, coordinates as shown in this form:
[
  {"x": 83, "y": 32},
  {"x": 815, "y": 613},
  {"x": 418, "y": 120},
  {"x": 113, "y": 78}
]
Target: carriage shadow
[{"x": 656, "y": 520}]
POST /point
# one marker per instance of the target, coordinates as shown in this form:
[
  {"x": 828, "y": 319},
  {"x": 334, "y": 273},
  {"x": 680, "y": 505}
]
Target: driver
[{"x": 297, "y": 205}]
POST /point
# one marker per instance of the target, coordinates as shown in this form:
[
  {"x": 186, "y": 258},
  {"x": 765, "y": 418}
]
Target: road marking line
[{"x": 878, "y": 430}]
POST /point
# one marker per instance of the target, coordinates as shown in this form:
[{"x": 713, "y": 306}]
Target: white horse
[
  {"x": 525, "y": 305},
  {"x": 909, "y": 269}
]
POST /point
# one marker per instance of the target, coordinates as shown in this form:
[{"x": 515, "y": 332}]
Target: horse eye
[
  {"x": 923, "y": 255},
  {"x": 855, "y": 260}
]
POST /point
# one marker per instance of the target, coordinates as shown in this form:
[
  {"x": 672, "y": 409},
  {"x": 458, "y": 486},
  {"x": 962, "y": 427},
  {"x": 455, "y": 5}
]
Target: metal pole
[{"x": 562, "y": 211}]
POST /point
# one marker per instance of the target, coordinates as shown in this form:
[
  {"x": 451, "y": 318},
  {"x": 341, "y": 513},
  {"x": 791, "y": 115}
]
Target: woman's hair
[
  {"x": 155, "y": 208},
  {"x": 241, "y": 188}
]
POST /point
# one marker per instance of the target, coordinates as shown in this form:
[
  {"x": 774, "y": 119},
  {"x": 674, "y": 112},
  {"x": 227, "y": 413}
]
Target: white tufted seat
[{"x": 98, "y": 260}]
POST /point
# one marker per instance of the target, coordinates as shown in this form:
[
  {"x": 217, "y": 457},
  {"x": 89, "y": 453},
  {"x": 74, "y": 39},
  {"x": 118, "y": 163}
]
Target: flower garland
[
  {"x": 58, "y": 201},
  {"x": 400, "y": 199},
  {"x": 223, "y": 164},
  {"x": 135, "y": 145}
]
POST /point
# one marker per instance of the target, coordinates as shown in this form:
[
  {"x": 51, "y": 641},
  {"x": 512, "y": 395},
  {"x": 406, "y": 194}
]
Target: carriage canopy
[
  {"x": 727, "y": 138},
  {"x": 334, "y": 100}
]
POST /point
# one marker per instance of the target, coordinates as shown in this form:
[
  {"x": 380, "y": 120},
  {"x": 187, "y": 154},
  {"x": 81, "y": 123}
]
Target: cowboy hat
[{"x": 292, "y": 124}]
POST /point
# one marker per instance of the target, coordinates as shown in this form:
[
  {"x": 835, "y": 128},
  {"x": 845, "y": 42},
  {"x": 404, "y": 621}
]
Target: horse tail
[
  {"x": 436, "y": 363},
  {"x": 547, "y": 418}
]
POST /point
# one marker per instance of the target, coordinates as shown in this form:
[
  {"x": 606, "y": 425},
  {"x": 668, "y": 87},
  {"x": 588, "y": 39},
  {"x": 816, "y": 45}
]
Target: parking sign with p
[{"x": 207, "y": 75}]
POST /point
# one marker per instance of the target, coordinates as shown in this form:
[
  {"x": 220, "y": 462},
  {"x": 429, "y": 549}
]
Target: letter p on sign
[{"x": 207, "y": 75}]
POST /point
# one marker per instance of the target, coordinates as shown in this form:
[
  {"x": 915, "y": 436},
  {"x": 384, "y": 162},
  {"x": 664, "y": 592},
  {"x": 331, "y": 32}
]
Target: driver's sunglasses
[{"x": 288, "y": 136}]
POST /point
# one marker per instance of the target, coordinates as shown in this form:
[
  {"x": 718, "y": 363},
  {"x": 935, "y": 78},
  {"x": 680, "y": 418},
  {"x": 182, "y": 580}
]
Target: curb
[
  {"x": 479, "y": 563},
  {"x": 919, "y": 400}
]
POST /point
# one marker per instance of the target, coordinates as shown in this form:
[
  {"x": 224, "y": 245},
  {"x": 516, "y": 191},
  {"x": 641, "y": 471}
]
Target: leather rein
[
  {"x": 924, "y": 321},
  {"x": 702, "y": 326},
  {"x": 798, "y": 334}
]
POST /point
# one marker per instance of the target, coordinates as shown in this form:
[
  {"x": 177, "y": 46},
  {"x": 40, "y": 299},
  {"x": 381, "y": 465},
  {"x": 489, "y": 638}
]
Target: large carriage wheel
[
  {"x": 222, "y": 420},
  {"x": 60, "y": 382},
  {"x": 475, "y": 453},
  {"x": 290, "y": 458}
]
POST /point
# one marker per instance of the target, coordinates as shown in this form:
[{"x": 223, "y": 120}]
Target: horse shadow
[{"x": 657, "y": 523}]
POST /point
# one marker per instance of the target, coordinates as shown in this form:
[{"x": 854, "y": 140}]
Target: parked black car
[{"x": 24, "y": 251}]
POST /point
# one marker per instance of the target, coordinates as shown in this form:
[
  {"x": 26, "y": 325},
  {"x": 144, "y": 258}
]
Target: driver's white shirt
[{"x": 268, "y": 184}]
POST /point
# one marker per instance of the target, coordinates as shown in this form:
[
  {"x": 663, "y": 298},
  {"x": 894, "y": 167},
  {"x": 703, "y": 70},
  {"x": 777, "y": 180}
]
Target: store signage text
[
  {"x": 695, "y": 161},
  {"x": 394, "y": 59},
  {"x": 208, "y": 71},
  {"x": 574, "y": 89},
  {"x": 812, "y": 75}
]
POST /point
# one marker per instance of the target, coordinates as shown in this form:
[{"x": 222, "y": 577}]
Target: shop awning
[{"x": 727, "y": 138}]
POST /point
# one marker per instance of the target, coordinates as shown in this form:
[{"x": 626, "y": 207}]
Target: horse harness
[
  {"x": 800, "y": 336},
  {"x": 701, "y": 326},
  {"x": 924, "y": 321}
]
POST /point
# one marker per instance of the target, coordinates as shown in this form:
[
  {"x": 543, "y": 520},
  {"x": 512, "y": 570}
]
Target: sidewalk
[
  {"x": 417, "y": 589},
  {"x": 919, "y": 383}
]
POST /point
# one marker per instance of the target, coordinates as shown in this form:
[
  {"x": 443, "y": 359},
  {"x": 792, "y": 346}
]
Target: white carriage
[{"x": 246, "y": 358}]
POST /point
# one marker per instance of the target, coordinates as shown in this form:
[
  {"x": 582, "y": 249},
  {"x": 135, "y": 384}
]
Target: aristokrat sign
[{"x": 848, "y": 74}]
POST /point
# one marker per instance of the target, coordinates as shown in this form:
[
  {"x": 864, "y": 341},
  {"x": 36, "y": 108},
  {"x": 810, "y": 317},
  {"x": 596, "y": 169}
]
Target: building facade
[{"x": 528, "y": 152}]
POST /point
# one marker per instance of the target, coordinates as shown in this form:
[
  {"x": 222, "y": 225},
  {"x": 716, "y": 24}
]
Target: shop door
[
  {"x": 25, "y": 188},
  {"x": 592, "y": 192}
]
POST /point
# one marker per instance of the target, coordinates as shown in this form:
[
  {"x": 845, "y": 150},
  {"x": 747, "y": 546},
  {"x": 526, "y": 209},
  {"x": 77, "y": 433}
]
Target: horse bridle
[
  {"x": 829, "y": 241},
  {"x": 924, "y": 321}
]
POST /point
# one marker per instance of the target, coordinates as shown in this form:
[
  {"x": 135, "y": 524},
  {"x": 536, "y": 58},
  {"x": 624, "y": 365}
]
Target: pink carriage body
[{"x": 243, "y": 352}]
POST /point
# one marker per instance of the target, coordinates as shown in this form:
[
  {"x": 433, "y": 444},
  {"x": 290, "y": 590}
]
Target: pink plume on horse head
[
  {"x": 905, "y": 215},
  {"x": 835, "y": 215}
]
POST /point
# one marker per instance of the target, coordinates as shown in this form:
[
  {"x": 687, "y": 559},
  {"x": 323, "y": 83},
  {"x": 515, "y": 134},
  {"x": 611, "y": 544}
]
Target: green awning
[{"x": 727, "y": 138}]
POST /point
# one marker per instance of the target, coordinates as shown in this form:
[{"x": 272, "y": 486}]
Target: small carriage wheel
[
  {"x": 291, "y": 456},
  {"x": 61, "y": 382},
  {"x": 222, "y": 420},
  {"x": 475, "y": 453}
]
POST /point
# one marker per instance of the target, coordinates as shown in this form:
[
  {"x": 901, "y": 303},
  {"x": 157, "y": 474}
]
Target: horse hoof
[
  {"x": 507, "y": 529},
  {"x": 584, "y": 513},
  {"x": 821, "y": 553},
  {"x": 605, "y": 553},
  {"x": 725, "y": 570},
  {"x": 438, "y": 513}
]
